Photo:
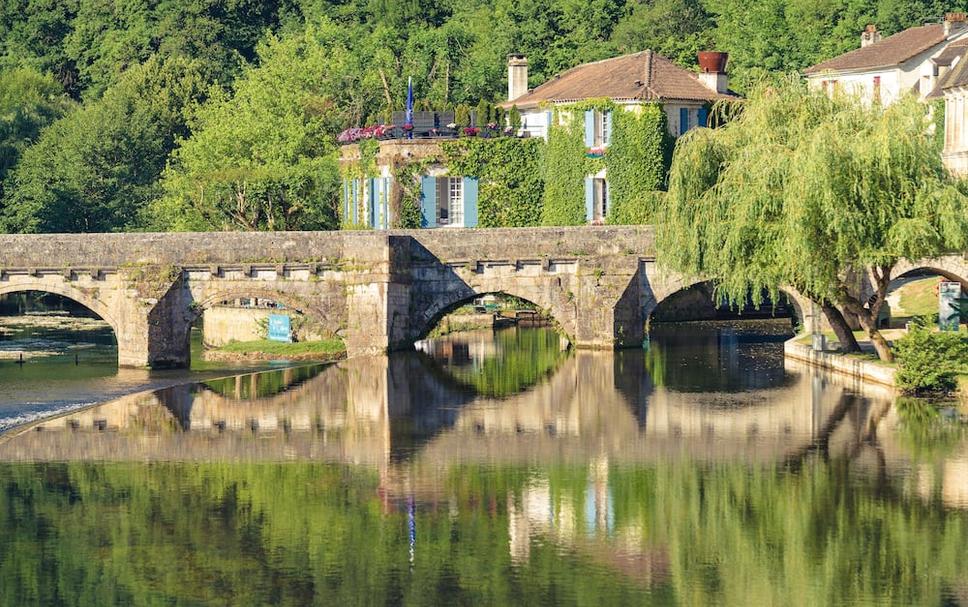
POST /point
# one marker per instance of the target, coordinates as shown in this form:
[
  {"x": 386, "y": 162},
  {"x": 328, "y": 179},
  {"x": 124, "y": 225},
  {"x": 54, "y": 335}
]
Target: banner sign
[
  {"x": 280, "y": 328},
  {"x": 948, "y": 314}
]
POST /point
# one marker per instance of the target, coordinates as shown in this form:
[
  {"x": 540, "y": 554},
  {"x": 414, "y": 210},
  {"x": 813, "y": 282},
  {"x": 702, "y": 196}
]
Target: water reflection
[{"x": 395, "y": 480}]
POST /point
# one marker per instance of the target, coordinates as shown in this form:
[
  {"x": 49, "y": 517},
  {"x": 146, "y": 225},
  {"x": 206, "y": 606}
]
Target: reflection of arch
[
  {"x": 70, "y": 292},
  {"x": 795, "y": 301},
  {"x": 441, "y": 307}
]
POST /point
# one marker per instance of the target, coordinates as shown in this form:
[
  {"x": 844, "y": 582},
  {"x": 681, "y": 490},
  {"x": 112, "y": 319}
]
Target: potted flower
[{"x": 471, "y": 131}]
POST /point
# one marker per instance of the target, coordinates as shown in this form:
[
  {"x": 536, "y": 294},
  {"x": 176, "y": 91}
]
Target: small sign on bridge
[{"x": 280, "y": 328}]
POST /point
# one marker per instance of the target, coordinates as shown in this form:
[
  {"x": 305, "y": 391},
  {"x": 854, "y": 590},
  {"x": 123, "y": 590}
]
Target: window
[
  {"x": 450, "y": 201},
  {"x": 602, "y": 120},
  {"x": 877, "y": 89},
  {"x": 599, "y": 200}
]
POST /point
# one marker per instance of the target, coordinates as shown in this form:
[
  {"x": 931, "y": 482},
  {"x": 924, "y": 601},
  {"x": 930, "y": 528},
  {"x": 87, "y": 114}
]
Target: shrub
[{"x": 929, "y": 361}]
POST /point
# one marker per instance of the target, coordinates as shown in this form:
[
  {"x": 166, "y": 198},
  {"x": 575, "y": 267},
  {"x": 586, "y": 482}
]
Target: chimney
[
  {"x": 517, "y": 76},
  {"x": 870, "y": 36},
  {"x": 953, "y": 23},
  {"x": 712, "y": 70}
]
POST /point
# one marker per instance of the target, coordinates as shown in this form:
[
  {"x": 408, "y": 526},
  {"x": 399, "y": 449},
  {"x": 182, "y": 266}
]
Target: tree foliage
[
  {"x": 96, "y": 169},
  {"x": 261, "y": 156},
  {"x": 804, "y": 190}
]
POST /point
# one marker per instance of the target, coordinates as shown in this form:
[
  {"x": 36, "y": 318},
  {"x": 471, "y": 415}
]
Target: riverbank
[
  {"x": 864, "y": 367},
  {"x": 327, "y": 350}
]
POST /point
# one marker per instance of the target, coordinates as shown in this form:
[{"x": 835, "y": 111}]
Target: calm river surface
[{"x": 495, "y": 469}]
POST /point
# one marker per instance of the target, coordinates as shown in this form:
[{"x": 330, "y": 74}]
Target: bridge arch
[
  {"x": 68, "y": 291},
  {"x": 441, "y": 307},
  {"x": 700, "y": 293}
]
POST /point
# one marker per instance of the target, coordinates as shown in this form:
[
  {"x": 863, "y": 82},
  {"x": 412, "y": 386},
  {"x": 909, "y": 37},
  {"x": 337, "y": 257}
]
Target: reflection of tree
[
  {"x": 303, "y": 533},
  {"x": 521, "y": 359},
  {"x": 262, "y": 385},
  {"x": 925, "y": 431}
]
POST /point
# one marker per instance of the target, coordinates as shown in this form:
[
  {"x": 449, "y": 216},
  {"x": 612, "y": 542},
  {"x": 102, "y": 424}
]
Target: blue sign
[
  {"x": 280, "y": 328},
  {"x": 949, "y": 315}
]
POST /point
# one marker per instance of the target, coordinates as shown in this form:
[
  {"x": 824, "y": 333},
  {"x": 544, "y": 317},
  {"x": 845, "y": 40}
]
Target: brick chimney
[
  {"x": 712, "y": 70},
  {"x": 870, "y": 36},
  {"x": 953, "y": 23},
  {"x": 517, "y": 76}
]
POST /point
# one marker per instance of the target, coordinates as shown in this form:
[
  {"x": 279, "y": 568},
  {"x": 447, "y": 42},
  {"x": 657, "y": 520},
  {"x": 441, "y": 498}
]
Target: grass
[
  {"x": 918, "y": 298},
  {"x": 265, "y": 346}
]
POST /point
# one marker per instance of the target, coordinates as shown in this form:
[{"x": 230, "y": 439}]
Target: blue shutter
[
  {"x": 589, "y": 199},
  {"x": 683, "y": 120},
  {"x": 548, "y": 118},
  {"x": 589, "y": 128},
  {"x": 428, "y": 202},
  {"x": 371, "y": 199},
  {"x": 470, "y": 202},
  {"x": 703, "y": 116}
]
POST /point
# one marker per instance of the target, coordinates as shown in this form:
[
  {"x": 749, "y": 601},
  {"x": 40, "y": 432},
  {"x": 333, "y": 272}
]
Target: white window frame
[{"x": 455, "y": 200}]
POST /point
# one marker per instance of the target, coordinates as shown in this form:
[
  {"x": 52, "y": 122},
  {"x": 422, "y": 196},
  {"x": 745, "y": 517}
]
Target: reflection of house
[
  {"x": 630, "y": 82},
  {"x": 377, "y": 201}
]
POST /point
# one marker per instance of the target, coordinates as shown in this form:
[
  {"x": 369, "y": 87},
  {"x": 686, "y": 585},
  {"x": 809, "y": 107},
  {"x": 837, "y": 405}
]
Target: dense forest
[{"x": 212, "y": 114}]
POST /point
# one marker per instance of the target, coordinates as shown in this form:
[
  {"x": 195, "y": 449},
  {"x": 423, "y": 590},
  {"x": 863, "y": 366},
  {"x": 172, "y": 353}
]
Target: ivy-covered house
[
  {"x": 404, "y": 183},
  {"x": 591, "y": 94}
]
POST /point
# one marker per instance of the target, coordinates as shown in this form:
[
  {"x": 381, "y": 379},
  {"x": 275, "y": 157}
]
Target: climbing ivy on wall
[
  {"x": 364, "y": 168},
  {"x": 567, "y": 163},
  {"x": 509, "y": 178},
  {"x": 406, "y": 176},
  {"x": 638, "y": 158}
]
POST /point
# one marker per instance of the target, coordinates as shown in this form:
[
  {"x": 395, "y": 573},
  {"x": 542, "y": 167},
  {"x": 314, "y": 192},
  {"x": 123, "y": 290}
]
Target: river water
[{"x": 497, "y": 469}]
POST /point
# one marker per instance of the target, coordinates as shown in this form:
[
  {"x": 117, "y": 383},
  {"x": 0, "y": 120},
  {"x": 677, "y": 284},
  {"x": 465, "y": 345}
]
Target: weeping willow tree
[{"x": 812, "y": 192}]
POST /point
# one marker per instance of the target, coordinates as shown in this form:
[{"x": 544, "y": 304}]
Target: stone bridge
[{"x": 378, "y": 291}]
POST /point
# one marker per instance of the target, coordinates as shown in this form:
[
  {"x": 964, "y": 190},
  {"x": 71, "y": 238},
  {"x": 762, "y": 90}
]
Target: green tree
[
  {"x": 812, "y": 192},
  {"x": 95, "y": 169},
  {"x": 677, "y": 29},
  {"x": 263, "y": 157},
  {"x": 29, "y": 101}
]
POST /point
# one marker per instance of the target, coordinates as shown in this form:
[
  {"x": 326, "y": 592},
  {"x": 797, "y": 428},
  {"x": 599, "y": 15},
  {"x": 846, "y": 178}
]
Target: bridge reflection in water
[{"x": 588, "y": 433}]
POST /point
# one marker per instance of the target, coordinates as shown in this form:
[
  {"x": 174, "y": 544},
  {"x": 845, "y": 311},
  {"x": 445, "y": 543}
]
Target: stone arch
[
  {"x": 800, "y": 306},
  {"x": 440, "y": 307},
  {"x": 209, "y": 299},
  {"x": 938, "y": 269},
  {"x": 68, "y": 291}
]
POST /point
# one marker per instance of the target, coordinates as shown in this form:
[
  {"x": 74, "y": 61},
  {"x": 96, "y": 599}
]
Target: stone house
[
  {"x": 629, "y": 82},
  {"x": 953, "y": 90},
  {"x": 376, "y": 201},
  {"x": 884, "y": 69},
  {"x": 924, "y": 60}
]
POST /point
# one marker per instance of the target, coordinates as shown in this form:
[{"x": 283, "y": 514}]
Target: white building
[
  {"x": 885, "y": 69},
  {"x": 629, "y": 81}
]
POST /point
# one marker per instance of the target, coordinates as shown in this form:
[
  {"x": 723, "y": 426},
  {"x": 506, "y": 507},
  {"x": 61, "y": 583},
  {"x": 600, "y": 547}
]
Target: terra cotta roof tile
[{"x": 642, "y": 76}]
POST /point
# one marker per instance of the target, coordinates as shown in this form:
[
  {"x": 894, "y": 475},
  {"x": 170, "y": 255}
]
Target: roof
[
  {"x": 956, "y": 76},
  {"x": 642, "y": 76},
  {"x": 950, "y": 52},
  {"x": 889, "y": 52}
]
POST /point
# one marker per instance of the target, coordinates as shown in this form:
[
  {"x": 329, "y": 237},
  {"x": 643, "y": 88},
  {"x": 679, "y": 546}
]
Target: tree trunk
[{"x": 848, "y": 343}]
